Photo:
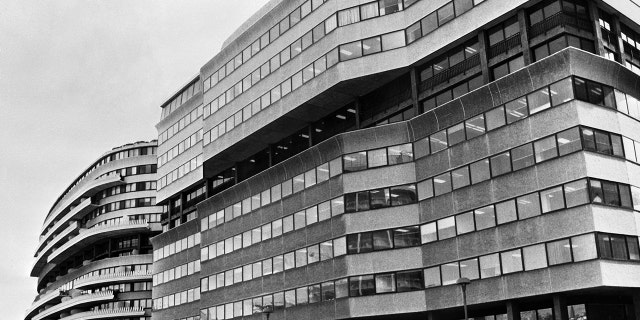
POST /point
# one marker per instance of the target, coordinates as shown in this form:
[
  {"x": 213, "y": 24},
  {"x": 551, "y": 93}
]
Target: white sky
[{"x": 78, "y": 77}]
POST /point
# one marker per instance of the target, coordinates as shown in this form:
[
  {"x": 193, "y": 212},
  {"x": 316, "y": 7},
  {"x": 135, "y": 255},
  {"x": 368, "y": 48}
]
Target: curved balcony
[
  {"x": 41, "y": 300},
  {"x": 87, "y": 237},
  {"x": 78, "y": 301},
  {"x": 107, "y": 313},
  {"x": 41, "y": 255},
  {"x": 89, "y": 189},
  {"x": 119, "y": 277},
  {"x": 77, "y": 212}
]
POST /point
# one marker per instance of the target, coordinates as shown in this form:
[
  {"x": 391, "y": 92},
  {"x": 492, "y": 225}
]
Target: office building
[{"x": 94, "y": 257}]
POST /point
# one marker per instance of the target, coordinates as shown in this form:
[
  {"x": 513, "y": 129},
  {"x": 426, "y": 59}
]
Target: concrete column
[
  {"x": 413, "y": 73},
  {"x": 560, "y": 308},
  {"x": 595, "y": 15},
  {"x": 270, "y": 153},
  {"x": 357, "y": 107},
  {"x": 483, "y": 45},
  {"x": 619, "y": 43},
  {"x": 513, "y": 310},
  {"x": 523, "y": 24},
  {"x": 310, "y": 134}
]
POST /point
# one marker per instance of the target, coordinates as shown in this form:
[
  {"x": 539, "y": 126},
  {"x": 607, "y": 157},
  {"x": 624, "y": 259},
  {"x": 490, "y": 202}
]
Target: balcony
[
  {"x": 107, "y": 313},
  {"x": 43, "y": 299},
  {"x": 87, "y": 237},
  {"x": 130, "y": 276},
  {"x": 78, "y": 301},
  {"x": 80, "y": 210},
  {"x": 41, "y": 255},
  {"x": 559, "y": 19},
  {"x": 89, "y": 189}
]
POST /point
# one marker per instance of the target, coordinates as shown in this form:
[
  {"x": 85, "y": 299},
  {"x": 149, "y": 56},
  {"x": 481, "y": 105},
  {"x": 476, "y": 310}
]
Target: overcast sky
[{"x": 78, "y": 77}]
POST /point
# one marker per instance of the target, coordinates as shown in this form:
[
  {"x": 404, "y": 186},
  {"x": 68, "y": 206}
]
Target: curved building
[
  {"x": 94, "y": 258},
  {"x": 355, "y": 159}
]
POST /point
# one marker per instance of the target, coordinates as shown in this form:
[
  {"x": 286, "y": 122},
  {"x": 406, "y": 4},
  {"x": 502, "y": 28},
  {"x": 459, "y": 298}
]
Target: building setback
[
  {"x": 354, "y": 159},
  {"x": 94, "y": 257}
]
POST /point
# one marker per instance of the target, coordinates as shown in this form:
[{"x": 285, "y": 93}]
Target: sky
[{"x": 77, "y": 78}]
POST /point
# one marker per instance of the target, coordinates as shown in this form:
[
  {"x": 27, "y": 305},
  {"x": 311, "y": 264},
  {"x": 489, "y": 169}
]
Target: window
[
  {"x": 489, "y": 266},
  {"x": 559, "y": 252},
  {"x": 409, "y": 280},
  {"x": 361, "y": 286},
  {"x": 535, "y": 257},
  {"x": 385, "y": 282},
  {"x": 511, "y": 261},
  {"x": 583, "y": 247},
  {"x": 500, "y": 164},
  {"x": 552, "y": 199},
  {"x": 545, "y": 149},
  {"x": 522, "y": 157}
]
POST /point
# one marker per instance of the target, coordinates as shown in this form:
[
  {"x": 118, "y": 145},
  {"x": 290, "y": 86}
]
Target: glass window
[
  {"x": 456, "y": 134},
  {"x": 463, "y": 6},
  {"x": 611, "y": 196},
  {"x": 576, "y": 193},
  {"x": 538, "y": 100},
  {"x": 385, "y": 282},
  {"x": 359, "y": 243},
  {"x": 409, "y": 280},
  {"x": 442, "y": 183},
  {"x": 361, "y": 286},
  {"x": 382, "y": 239},
  {"x": 425, "y": 189},
  {"x": 528, "y": 206},
  {"x": 450, "y": 273},
  {"x": 480, "y": 171},
  {"x": 485, "y": 217},
  {"x": 516, "y": 110},
  {"x": 350, "y": 50},
  {"x": 428, "y": 232},
  {"x": 355, "y": 161},
  {"x": 406, "y": 237},
  {"x": 445, "y": 13},
  {"x": 446, "y": 228},
  {"x": 569, "y": 141},
  {"x": 602, "y": 142},
  {"x": 371, "y": 45},
  {"x": 469, "y": 269},
  {"x": 589, "y": 140},
  {"x": 495, "y": 118},
  {"x": 584, "y": 247},
  {"x": 535, "y": 257},
  {"x": 511, "y": 261},
  {"x": 561, "y": 91},
  {"x": 413, "y": 32},
  {"x": 402, "y": 195},
  {"x": 432, "y": 277},
  {"x": 429, "y": 23},
  {"x": 400, "y": 154},
  {"x": 377, "y": 158},
  {"x": 545, "y": 149},
  {"x": 393, "y": 40},
  {"x": 500, "y": 164},
  {"x": 438, "y": 141},
  {"x": 506, "y": 211},
  {"x": 559, "y": 252},
  {"x": 475, "y": 127},
  {"x": 522, "y": 157},
  {"x": 552, "y": 199},
  {"x": 464, "y": 223}
]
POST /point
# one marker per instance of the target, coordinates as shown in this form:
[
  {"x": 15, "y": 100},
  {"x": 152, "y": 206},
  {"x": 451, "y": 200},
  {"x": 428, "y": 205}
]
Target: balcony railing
[
  {"x": 505, "y": 45},
  {"x": 117, "y": 276},
  {"x": 98, "y": 296},
  {"x": 107, "y": 313},
  {"x": 446, "y": 74},
  {"x": 559, "y": 19}
]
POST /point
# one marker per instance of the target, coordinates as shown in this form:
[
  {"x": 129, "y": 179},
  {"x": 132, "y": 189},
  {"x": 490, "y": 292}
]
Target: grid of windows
[
  {"x": 180, "y": 124},
  {"x": 181, "y": 147},
  {"x": 181, "y": 171},
  {"x": 176, "y": 273},
  {"x": 181, "y": 98},
  {"x": 176, "y": 299},
  {"x": 436, "y": 19},
  {"x": 296, "y": 184},
  {"x": 377, "y": 157},
  {"x": 567, "y": 250},
  {"x": 176, "y": 247}
]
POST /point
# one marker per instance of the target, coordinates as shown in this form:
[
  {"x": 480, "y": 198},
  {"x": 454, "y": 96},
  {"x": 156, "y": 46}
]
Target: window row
[
  {"x": 276, "y": 228},
  {"x": 569, "y": 195},
  {"x": 176, "y": 299},
  {"x": 296, "y": 184},
  {"x": 450, "y": 59},
  {"x": 149, "y": 217},
  {"x": 181, "y": 147},
  {"x": 436, "y": 19},
  {"x": 275, "y": 32},
  {"x": 137, "y": 304},
  {"x": 176, "y": 273},
  {"x": 377, "y": 158},
  {"x": 575, "y": 249},
  {"x": 122, "y": 287},
  {"x": 627, "y": 104},
  {"x": 129, "y": 187},
  {"x": 181, "y": 98},
  {"x": 176, "y": 247},
  {"x": 556, "y": 44},
  {"x": 132, "y": 171},
  {"x": 553, "y": 95},
  {"x": 380, "y": 198},
  {"x": 385, "y": 42},
  {"x": 521, "y": 157},
  {"x": 290, "y": 260},
  {"x": 181, "y": 171},
  {"x": 371, "y": 10},
  {"x": 120, "y": 205},
  {"x": 179, "y": 125},
  {"x": 454, "y": 92}
]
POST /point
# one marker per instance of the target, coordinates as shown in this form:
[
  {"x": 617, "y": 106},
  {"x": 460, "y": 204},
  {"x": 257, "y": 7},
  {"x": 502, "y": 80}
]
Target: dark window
[
  {"x": 359, "y": 243},
  {"x": 410, "y": 280},
  {"x": 361, "y": 286},
  {"x": 406, "y": 237}
]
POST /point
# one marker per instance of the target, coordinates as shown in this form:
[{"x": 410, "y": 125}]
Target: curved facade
[
  {"x": 355, "y": 159},
  {"x": 94, "y": 258}
]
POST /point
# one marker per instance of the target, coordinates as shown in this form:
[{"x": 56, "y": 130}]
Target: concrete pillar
[
  {"x": 357, "y": 107},
  {"x": 560, "y": 308},
  {"x": 483, "y": 50},
  {"x": 619, "y": 43},
  {"x": 513, "y": 310},
  {"x": 523, "y": 24},
  {"x": 595, "y": 15},
  {"x": 413, "y": 73}
]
